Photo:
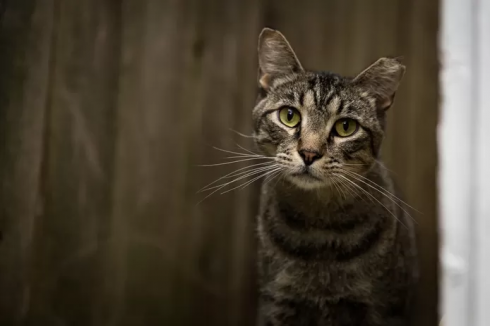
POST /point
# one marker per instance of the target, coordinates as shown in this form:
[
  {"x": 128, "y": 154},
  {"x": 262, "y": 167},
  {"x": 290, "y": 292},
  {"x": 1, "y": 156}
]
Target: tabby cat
[{"x": 336, "y": 245}]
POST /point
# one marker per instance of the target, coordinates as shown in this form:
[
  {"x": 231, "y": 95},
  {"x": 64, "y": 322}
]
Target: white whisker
[
  {"x": 268, "y": 174},
  {"x": 251, "y": 181},
  {"x": 271, "y": 177},
  {"x": 356, "y": 192},
  {"x": 379, "y": 188},
  {"x": 236, "y": 173},
  {"x": 337, "y": 187},
  {"x": 391, "y": 199},
  {"x": 379, "y": 202},
  {"x": 226, "y": 163},
  {"x": 257, "y": 166},
  {"x": 230, "y": 152},
  {"x": 248, "y": 174},
  {"x": 240, "y": 134},
  {"x": 255, "y": 157},
  {"x": 219, "y": 187},
  {"x": 249, "y": 151},
  {"x": 353, "y": 164}
]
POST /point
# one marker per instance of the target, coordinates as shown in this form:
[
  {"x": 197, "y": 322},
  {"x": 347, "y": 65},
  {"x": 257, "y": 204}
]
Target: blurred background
[{"x": 108, "y": 107}]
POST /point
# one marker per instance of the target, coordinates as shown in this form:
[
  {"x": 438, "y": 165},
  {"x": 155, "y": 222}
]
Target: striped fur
[{"x": 330, "y": 253}]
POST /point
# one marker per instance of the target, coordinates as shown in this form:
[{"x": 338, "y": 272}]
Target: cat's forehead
[
  {"x": 320, "y": 93},
  {"x": 319, "y": 84}
]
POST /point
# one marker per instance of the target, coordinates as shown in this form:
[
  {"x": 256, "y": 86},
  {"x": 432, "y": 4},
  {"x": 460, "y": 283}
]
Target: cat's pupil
[
  {"x": 290, "y": 115},
  {"x": 345, "y": 125}
]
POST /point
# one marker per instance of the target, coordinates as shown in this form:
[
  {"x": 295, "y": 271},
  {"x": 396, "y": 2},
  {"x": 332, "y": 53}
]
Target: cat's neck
[
  {"x": 323, "y": 200},
  {"x": 311, "y": 202}
]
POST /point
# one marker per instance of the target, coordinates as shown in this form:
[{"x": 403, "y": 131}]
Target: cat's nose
[{"x": 309, "y": 156}]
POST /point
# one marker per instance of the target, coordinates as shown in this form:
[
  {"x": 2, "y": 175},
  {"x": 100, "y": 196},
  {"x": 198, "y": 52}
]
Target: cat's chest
[
  {"x": 329, "y": 236},
  {"x": 324, "y": 282},
  {"x": 340, "y": 218}
]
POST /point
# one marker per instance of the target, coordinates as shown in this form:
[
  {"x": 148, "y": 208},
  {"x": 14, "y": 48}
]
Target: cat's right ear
[
  {"x": 382, "y": 79},
  {"x": 276, "y": 58}
]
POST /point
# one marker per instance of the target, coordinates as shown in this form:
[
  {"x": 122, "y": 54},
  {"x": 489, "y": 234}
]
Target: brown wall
[{"x": 106, "y": 108}]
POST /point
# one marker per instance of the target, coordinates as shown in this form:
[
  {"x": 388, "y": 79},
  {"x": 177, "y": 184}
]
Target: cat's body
[
  {"x": 334, "y": 262},
  {"x": 335, "y": 247}
]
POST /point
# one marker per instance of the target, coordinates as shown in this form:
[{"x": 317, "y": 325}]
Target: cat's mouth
[
  {"x": 306, "y": 179},
  {"x": 306, "y": 175}
]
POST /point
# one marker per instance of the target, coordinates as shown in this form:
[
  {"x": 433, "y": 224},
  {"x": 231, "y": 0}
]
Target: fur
[{"x": 334, "y": 248}]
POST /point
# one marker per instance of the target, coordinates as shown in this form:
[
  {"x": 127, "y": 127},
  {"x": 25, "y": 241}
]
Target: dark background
[{"x": 106, "y": 109}]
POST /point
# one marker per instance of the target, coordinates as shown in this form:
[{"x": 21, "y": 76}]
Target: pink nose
[{"x": 309, "y": 156}]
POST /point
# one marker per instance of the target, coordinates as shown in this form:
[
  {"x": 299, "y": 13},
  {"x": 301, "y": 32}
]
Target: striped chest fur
[{"x": 339, "y": 250}]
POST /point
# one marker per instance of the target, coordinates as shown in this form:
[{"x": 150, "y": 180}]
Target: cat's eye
[
  {"x": 346, "y": 127},
  {"x": 289, "y": 116}
]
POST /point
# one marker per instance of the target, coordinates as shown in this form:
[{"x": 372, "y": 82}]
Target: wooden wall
[{"x": 106, "y": 109}]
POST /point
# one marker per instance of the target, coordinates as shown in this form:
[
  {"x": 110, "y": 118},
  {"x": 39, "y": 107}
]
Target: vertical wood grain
[
  {"x": 26, "y": 33},
  {"x": 107, "y": 109},
  {"x": 72, "y": 230}
]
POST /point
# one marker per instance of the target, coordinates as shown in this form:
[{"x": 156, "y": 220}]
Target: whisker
[
  {"x": 367, "y": 184},
  {"x": 271, "y": 177},
  {"x": 230, "y": 152},
  {"x": 349, "y": 164},
  {"x": 240, "y": 134},
  {"x": 226, "y": 163},
  {"x": 236, "y": 173},
  {"x": 251, "y": 156},
  {"x": 218, "y": 188},
  {"x": 251, "y": 181},
  {"x": 337, "y": 187},
  {"x": 281, "y": 176},
  {"x": 379, "y": 202},
  {"x": 268, "y": 174},
  {"x": 247, "y": 150},
  {"x": 257, "y": 166},
  {"x": 362, "y": 195},
  {"x": 247, "y": 174},
  {"x": 381, "y": 189},
  {"x": 353, "y": 191},
  {"x": 382, "y": 165},
  {"x": 209, "y": 195}
]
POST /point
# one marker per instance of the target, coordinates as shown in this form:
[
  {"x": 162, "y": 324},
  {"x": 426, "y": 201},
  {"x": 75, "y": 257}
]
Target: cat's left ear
[
  {"x": 381, "y": 80},
  {"x": 276, "y": 58}
]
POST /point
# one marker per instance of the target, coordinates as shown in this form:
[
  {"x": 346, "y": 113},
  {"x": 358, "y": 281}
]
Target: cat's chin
[{"x": 307, "y": 182}]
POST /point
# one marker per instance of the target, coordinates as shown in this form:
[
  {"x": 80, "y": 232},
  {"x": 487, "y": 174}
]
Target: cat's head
[{"x": 318, "y": 124}]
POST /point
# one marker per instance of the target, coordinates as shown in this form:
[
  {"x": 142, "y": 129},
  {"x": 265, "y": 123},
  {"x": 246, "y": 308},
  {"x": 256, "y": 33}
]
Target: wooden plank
[
  {"x": 138, "y": 254},
  {"x": 360, "y": 34},
  {"x": 421, "y": 127},
  {"x": 385, "y": 40},
  {"x": 171, "y": 72},
  {"x": 72, "y": 231},
  {"x": 228, "y": 69},
  {"x": 25, "y": 43},
  {"x": 242, "y": 288}
]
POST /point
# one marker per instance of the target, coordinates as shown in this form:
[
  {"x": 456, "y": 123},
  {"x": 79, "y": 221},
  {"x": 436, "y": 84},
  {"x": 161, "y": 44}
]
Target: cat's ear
[
  {"x": 276, "y": 57},
  {"x": 381, "y": 80}
]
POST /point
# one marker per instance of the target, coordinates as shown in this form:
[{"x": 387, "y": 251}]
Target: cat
[{"x": 336, "y": 247}]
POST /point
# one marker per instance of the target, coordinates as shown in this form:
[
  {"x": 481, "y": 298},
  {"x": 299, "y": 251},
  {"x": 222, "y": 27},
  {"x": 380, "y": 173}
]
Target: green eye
[
  {"x": 346, "y": 127},
  {"x": 290, "y": 117}
]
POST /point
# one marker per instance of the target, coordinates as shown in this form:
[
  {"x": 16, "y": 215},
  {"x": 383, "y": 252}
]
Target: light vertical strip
[
  {"x": 456, "y": 155},
  {"x": 481, "y": 122}
]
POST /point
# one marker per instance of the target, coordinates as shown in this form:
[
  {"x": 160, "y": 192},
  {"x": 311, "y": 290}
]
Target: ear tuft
[
  {"x": 382, "y": 79},
  {"x": 276, "y": 57}
]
